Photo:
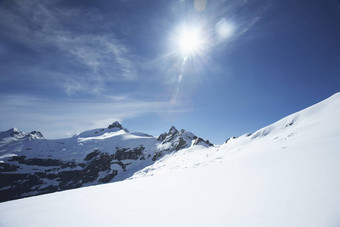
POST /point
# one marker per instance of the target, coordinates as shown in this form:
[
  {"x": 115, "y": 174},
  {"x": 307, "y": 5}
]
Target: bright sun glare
[{"x": 190, "y": 41}]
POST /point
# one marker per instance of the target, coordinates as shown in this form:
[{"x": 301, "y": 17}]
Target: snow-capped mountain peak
[
  {"x": 32, "y": 165},
  {"x": 35, "y": 166},
  {"x": 101, "y": 133},
  {"x": 175, "y": 140},
  {"x": 117, "y": 125},
  {"x": 14, "y": 134},
  {"x": 281, "y": 175},
  {"x": 173, "y": 130},
  {"x": 35, "y": 135}
]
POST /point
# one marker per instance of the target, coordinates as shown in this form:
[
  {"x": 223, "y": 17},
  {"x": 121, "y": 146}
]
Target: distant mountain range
[
  {"x": 32, "y": 165},
  {"x": 285, "y": 174}
]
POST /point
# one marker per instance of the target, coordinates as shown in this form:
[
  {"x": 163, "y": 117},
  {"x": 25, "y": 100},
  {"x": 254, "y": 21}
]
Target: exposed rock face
[
  {"x": 231, "y": 138},
  {"x": 31, "y": 165},
  {"x": 11, "y": 135},
  {"x": 200, "y": 141},
  {"x": 96, "y": 167},
  {"x": 175, "y": 140},
  {"x": 35, "y": 135},
  {"x": 117, "y": 125},
  {"x": 15, "y": 134},
  {"x": 127, "y": 153}
]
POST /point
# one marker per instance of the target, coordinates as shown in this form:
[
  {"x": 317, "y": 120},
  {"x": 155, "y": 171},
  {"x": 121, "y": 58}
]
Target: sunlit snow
[{"x": 285, "y": 174}]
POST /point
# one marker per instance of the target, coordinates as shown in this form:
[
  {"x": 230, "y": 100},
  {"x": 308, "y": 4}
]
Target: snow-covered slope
[
  {"x": 316, "y": 125},
  {"x": 286, "y": 174},
  {"x": 32, "y": 165}
]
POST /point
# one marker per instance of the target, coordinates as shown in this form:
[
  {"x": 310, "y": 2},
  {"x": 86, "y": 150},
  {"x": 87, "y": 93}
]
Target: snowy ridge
[
  {"x": 306, "y": 117},
  {"x": 285, "y": 174},
  {"x": 317, "y": 123},
  {"x": 175, "y": 140},
  {"x": 15, "y": 134},
  {"x": 32, "y": 165}
]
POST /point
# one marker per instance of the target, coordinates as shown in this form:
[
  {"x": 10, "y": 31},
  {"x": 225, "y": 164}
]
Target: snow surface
[{"x": 286, "y": 174}]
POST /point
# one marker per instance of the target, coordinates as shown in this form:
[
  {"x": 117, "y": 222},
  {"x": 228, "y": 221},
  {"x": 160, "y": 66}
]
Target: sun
[{"x": 190, "y": 41}]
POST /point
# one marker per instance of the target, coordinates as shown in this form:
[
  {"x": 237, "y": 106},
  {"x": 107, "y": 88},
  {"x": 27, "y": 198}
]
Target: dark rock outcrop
[
  {"x": 200, "y": 141},
  {"x": 233, "y": 137},
  {"x": 115, "y": 124},
  {"x": 175, "y": 140},
  {"x": 95, "y": 168}
]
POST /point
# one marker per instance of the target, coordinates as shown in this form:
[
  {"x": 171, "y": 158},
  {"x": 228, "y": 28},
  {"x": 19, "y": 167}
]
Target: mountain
[
  {"x": 14, "y": 134},
  {"x": 32, "y": 165},
  {"x": 285, "y": 174}
]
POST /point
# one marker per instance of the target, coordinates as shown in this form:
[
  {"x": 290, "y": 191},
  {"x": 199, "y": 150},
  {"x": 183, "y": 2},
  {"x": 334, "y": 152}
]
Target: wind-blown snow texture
[{"x": 286, "y": 174}]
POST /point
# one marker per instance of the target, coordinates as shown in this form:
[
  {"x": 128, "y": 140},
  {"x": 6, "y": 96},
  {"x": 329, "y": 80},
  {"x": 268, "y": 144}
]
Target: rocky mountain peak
[
  {"x": 35, "y": 135},
  {"x": 172, "y": 130},
  {"x": 175, "y": 140},
  {"x": 14, "y": 132},
  {"x": 115, "y": 124},
  {"x": 166, "y": 137},
  {"x": 174, "y": 134}
]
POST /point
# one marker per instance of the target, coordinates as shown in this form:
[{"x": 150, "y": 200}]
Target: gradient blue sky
[{"x": 68, "y": 66}]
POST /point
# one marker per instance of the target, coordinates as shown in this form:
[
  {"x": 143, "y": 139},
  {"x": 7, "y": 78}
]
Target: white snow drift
[{"x": 286, "y": 174}]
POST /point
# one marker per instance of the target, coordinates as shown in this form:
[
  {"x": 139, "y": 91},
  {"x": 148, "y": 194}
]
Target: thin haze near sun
[{"x": 194, "y": 39}]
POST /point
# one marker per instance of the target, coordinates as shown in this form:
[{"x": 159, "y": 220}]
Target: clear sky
[{"x": 215, "y": 68}]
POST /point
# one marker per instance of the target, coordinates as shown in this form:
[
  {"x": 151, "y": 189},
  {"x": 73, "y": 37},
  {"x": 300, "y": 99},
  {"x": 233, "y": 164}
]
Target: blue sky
[{"x": 69, "y": 66}]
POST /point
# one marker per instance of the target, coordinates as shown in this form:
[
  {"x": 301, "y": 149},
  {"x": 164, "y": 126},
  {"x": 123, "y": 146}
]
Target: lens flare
[{"x": 224, "y": 29}]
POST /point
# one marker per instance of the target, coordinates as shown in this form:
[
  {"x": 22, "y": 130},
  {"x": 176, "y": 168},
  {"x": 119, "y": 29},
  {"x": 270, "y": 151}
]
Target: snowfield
[{"x": 286, "y": 174}]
